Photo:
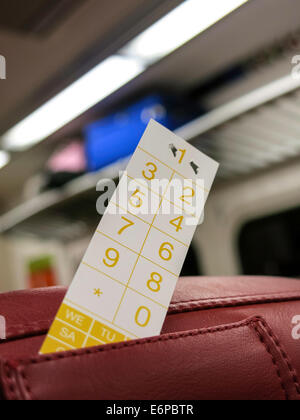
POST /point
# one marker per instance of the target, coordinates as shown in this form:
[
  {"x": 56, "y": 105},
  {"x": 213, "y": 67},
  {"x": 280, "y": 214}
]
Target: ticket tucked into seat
[{"x": 125, "y": 282}]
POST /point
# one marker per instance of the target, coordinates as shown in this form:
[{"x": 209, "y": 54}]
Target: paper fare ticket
[{"x": 124, "y": 285}]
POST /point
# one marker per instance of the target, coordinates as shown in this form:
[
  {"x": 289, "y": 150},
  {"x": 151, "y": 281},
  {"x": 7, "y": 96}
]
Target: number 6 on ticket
[{"x": 124, "y": 285}]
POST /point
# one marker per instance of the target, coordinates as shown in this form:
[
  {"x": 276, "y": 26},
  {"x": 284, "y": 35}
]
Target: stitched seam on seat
[
  {"x": 44, "y": 359},
  {"x": 190, "y": 305},
  {"x": 25, "y": 328},
  {"x": 40, "y": 326},
  {"x": 280, "y": 348},
  {"x": 26, "y": 383},
  {"x": 141, "y": 342},
  {"x": 277, "y": 369},
  {"x": 123, "y": 346},
  {"x": 250, "y": 296},
  {"x": 8, "y": 382},
  {"x": 250, "y": 322}
]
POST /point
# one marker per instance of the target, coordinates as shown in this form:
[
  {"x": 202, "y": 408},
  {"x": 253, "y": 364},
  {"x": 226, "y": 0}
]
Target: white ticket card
[{"x": 125, "y": 282}]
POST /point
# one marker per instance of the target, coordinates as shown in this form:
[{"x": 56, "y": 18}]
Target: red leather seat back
[{"x": 224, "y": 338}]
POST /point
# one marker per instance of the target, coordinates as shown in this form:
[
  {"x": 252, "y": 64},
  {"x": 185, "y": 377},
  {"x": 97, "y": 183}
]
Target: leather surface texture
[{"x": 223, "y": 339}]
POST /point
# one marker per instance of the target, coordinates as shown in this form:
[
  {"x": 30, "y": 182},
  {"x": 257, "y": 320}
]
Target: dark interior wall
[{"x": 271, "y": 245}]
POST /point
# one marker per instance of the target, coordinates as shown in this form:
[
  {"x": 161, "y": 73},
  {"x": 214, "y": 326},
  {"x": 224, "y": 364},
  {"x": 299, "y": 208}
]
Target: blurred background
[{"x": 79, "y": 81}]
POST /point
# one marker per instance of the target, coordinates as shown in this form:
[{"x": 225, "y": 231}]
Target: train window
[{"x": 271, "y": 245}]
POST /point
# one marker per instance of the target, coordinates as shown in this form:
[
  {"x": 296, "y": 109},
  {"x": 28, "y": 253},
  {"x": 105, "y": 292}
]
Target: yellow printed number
[
  {"x": 164, "y": 252},
  {"x": 190, "y": 194},
  {"x": 128, "y": 225},
  {"x": 183, "y": 152},
  {"x": 152, "y": 171},
  {"x": 139, "y": 316},
  {"x": 139, "y": 202},
  {"x": 177, "y": 223},
  {"x": 155, "y": 282},
  {"x": 113, "y": 256}
]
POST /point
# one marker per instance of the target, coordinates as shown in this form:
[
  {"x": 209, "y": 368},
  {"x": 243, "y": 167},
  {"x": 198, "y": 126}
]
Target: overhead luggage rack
[
  {"x": 246, "y": 135},
  {"x": 253, "y": 132}
]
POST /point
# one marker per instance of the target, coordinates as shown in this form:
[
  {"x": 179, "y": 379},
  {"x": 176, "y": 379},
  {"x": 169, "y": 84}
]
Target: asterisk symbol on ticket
[{"x": 97, "y": 292}]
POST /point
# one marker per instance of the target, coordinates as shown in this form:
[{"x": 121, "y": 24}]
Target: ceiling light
[
  {"x": 178, "y": 27},
  {"x": 4, "y": 158},
  {"x": 86, "y": 92}
]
